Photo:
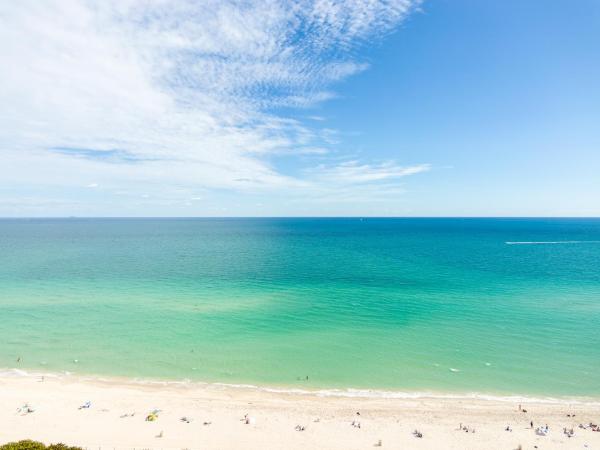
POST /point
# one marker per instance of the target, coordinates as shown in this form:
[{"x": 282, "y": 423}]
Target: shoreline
[
  {"x": 349, "y": 392},
  {"x": 212, "y": 416}
]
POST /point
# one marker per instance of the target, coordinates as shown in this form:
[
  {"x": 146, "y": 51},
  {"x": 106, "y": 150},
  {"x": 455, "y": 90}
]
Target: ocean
[{"x": 498, "y": 306}]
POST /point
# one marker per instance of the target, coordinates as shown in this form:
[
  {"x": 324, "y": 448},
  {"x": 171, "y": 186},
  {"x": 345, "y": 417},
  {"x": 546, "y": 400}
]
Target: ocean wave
[
  {"x": 17, "y": 373},
  {"x": 339, "y": 393}
]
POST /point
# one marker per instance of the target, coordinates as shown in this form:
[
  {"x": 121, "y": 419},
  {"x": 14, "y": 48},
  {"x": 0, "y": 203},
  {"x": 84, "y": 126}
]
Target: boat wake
[{"x": 549, "y": 242}]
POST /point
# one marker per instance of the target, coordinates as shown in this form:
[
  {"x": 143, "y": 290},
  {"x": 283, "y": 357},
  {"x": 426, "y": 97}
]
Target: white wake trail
[{"x": 549, "y": 242}]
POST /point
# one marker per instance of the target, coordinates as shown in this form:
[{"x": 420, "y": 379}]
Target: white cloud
[
  {"x": 147, "y": 96},
  {"x": 353, "y": 172}
]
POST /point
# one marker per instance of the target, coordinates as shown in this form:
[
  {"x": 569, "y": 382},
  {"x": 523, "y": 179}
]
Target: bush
[
  {"x": 62, "y": 447},
  {"x": 28, "y": 444}
]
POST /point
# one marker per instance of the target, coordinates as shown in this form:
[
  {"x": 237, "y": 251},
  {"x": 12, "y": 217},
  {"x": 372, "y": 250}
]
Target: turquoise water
[{"x": 375, "y": 303}]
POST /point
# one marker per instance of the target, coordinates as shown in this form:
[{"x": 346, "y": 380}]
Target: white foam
[
  {"x": 381, "y": 394},
  {"x": 15, "y": 373},
  {"x": 346, "y": 393}
]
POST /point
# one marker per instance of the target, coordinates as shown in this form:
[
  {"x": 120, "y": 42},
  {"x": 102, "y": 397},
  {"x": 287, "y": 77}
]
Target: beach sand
[{"x": 273, "y": 418}]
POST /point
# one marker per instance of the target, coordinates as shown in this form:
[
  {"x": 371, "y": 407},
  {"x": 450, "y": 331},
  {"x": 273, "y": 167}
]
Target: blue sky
[{"x": 434, "y": 108}]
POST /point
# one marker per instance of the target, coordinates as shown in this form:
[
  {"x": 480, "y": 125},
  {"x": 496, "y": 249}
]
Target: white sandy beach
[{"x": 273, "y": 418}]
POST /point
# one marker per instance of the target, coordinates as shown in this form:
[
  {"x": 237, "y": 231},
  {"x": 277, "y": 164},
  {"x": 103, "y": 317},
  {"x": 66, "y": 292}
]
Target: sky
[{"x": 300, "y": 108}]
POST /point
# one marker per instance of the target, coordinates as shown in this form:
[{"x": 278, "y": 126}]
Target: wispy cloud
[
  {"x": 353, "y": 172},
  {"x": 141, "y": 95}
]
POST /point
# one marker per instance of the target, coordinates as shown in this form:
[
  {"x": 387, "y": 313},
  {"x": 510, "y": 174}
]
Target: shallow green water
[{"x": 375, "y": 303}]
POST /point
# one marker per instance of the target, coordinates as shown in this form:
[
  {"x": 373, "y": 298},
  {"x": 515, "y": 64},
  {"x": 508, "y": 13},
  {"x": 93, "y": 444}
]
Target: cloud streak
[
  {"x": 353, "y": 172},
  {"x": 143, "y": 97}
]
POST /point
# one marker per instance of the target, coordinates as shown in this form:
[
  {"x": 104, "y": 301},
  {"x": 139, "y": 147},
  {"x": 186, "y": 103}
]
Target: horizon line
[{"x": 295, "y": 217}]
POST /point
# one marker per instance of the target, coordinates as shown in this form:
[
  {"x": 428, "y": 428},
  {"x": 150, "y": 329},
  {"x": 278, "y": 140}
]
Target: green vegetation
[{"x": 33, "y": 445}]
